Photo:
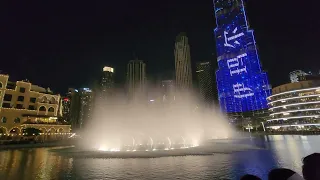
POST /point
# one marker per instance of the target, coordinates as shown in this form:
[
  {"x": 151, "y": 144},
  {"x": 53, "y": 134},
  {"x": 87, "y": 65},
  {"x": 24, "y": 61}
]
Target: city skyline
[{"x": 72, "y": 44}]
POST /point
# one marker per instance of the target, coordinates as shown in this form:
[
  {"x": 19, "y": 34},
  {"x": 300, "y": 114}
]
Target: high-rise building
[
  {"x": 136, "y": 79},
  {"x": 183, "y": 63},
  {"x": 107, "y": 82},
  {"x": 205, "y": 80},
  {"x": 296, "y": 75},
  {"x": 242, "y": 85},
  {"x": 86, "y": 106}
]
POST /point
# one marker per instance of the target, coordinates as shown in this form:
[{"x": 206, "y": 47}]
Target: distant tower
[
  {"x": 183, "y": 63},
  {"x": 136, "y": 79},
  {"x": 107, "y": 81},
  {"x": 295, "y": 75},
  {"x": 204, "y": 75}
]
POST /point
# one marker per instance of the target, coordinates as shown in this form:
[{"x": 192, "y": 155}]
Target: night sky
[{"x": 61, "y": 44}]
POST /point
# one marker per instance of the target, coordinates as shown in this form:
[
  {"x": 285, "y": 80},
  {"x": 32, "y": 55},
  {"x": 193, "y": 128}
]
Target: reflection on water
[{"x": 280, "y": 151}]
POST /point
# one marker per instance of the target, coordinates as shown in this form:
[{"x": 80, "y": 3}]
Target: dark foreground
[{"x": 277, "y": 151}]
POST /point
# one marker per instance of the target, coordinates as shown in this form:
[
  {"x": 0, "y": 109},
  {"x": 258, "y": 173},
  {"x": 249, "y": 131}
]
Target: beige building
[{"x": 23, "y": 105}]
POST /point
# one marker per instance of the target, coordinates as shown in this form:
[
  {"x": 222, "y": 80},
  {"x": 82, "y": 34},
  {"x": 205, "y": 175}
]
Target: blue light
[{"x": 241, "y": 82}]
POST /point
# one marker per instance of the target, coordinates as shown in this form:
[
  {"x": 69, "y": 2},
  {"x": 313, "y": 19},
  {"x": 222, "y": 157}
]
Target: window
[
  {"x": 22, "y": 89},
  {"x": 6, "y": 105},
  {"x": 51, "y": 109},
  {"x": 1, "y": 85},
  {"x": 17, "y": 120},
  {"x": 21, "y": 98},
  {"x": 42, "y": 108},
  {"x": 7, "y": 97},
  {"x": 19, "y": 106},
  {"x": 3, "y": 119},
  {"x": 33, "y": 100},
  {"x": 31, "y": 107}
]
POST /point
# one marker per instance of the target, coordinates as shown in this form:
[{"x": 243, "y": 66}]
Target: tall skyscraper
[
  {"x": 107, "y": 82},
  {"x": 204, "y": 75},
  {"x": 86, "y": 106},
  {"x": 136, "y": 79},
  {"x": 183, "y": 63},
  {"x": 242, "y": 85}
]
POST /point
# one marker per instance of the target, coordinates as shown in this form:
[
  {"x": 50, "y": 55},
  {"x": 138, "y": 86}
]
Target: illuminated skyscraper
[
  {"x": 136, "y": 79},
  {"x": 183, "y": 63},
  {"x": 242, "y": 85},
  {"x": 107, "y": 82},
  {"x": 205, "y": 80}
]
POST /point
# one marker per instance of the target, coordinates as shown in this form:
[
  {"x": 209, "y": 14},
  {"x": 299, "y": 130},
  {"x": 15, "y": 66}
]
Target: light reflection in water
[{"x": 40, "y": 163}]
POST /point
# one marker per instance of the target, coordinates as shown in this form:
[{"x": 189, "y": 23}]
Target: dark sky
[{"x": 61, "y": 44}]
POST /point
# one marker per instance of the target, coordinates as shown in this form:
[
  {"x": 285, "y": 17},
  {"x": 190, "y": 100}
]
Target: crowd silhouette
[{"x": 310, "y": 171}]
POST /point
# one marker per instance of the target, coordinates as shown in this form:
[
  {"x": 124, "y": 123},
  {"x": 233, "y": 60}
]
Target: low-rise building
[
  {"x": 295, "y": 107},
  {"x": 24, "y": 105}
]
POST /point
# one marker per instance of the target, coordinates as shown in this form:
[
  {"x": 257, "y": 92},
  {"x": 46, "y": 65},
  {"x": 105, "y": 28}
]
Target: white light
[
  {"x": 134, "y": 150},
  {"x": 278, "y": 126},
  {"x": 317, "y": 89},
  {"x": 284, "y": 100},
  {"x": 293, "y": 117},
  {"x": 154, "y": 149},
  {"x": 286, "y": 113},
  {"x": 296, "y": 104},
  {"x": 166, "y": 149},
  {"x": 298, "y": 110},
  {"x": 151, "y": 100},
  {"x": 171, "y": 148},
  {"x": 102, "y": 148},
  {"x": 109, "y": 69}
]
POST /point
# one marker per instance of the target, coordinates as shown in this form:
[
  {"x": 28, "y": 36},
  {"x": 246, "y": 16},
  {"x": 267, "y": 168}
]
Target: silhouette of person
[
  {"x": 283, "y": 174},
  {"x": 250, "y": 177},
  {"x": 311, "y": 167}
]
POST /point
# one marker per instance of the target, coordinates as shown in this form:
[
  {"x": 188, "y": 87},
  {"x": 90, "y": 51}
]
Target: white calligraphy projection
[
  {"x": 235, "y": 63},
  {"x": 231, "y": 38},
  {"x": 240, "y": 91}
]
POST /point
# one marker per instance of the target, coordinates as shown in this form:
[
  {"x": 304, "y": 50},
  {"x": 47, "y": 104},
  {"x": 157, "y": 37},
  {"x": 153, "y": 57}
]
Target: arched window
[
  {"x": 42, "y": 108},
  {"x": 17, "y": 120},
  {"x": 3, "y": 119},
  {"x": 52, "y": 100},
  {"x": 44, "y": 99},
  {"x": 1, "y": 85},
  {"x": 51, "y": 109}
]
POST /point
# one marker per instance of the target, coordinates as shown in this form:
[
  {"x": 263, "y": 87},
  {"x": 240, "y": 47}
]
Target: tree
[{"x": 31, "y": 132}]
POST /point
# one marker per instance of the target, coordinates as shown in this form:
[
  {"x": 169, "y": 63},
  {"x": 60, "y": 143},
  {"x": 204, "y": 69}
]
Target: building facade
[
  {"x": 107, "y": 82},
  {"x": 242, "y": 85},
  {"x": 294, "y": 107},
  {"x": 296, "y": 75},
  {"x": 136, "y": 80},
  {"x": 205, "y": 80},
  {"x": 183, "y": 63},
  {"x": 24, "y": 105},
  {"x": 86, "y": 107}
]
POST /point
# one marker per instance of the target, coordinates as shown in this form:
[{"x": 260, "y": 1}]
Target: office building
[
  {"x": 183, "y": 63},
  {"x": 295, "y": 107},
  {"x": 136, "y": 80},
  {"x": 25, "y": 105},
  {"x": 241, "y": 83},
  {"x": 296, "y": 75},
  {"x": 86, "y": 107},
  {"x": 107, "y": 82},
  {"x": 205, "y": 82}
]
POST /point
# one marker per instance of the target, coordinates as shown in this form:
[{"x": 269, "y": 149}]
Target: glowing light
[
  {"x": 296, "y": 104},
  {"x": 298, "y": 110},
  {"x": 293, "y": 117},
  {"x": 299, "y": 90},
  {"x": 298, "y": 97},
  {"x": 108, "y": 69},
  {"x": 151, "y": 100},
  {"x": 154, "y": 149}
]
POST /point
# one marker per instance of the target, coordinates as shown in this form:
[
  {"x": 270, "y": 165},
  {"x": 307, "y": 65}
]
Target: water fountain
[{"x": 153, "y": 129}]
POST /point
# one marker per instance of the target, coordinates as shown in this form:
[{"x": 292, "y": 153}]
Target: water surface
[{"x": 279, "y": 151}]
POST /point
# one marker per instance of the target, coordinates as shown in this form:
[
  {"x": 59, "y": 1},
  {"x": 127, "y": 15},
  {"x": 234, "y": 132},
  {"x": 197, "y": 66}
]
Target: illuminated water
[{"x": 281, "y": 151}]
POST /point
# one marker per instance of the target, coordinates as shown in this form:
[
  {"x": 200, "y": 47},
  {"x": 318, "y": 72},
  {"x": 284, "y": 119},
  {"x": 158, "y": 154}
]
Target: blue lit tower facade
[{"x": 242, "y": 85}]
